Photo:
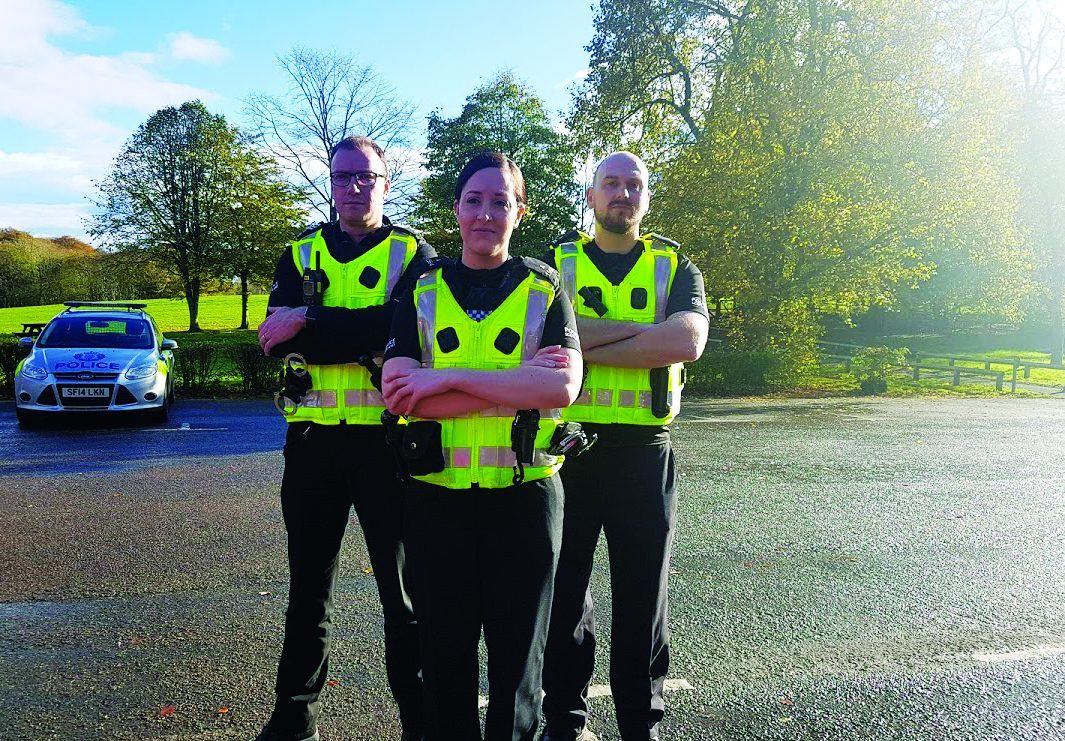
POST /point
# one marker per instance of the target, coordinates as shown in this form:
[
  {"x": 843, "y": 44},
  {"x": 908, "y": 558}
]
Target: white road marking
[
  {"x": 603, "y": 690},
  {"x": 1023, "y": 655},
  {"x": 186, "y": 427}
]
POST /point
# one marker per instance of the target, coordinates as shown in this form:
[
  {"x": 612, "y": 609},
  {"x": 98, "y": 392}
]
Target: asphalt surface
[{"x": 844, "y": 569}]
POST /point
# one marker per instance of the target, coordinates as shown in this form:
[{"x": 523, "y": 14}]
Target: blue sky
[{"x": 76, "y": 78}]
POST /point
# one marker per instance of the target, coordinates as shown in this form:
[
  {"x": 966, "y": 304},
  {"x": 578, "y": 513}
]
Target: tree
[
  {"x": 330, "y": 97},
  {"x": 262, "y": 216},
  {"x": 502, "y": 115},
  {"x": 1037, "y": 37},
  {"x": 808, "y": 152},
  {"x": 168, "y": 194}
]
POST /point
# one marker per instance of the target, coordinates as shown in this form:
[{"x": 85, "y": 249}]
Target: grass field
[{"x": 221, "y": 312}]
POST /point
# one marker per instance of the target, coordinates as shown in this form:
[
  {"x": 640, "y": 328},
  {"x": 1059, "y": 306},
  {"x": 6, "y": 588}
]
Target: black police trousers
[
  {"x": 630, "y": 494},
  {"x": 483, "y": 558},
  {"x": 329, "y": 470}
]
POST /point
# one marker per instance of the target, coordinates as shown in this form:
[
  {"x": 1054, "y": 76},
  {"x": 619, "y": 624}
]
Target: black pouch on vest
[{"x": 422, "y": 448}]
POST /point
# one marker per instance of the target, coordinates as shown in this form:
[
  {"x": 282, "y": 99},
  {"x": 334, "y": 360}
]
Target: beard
[{"x": 617, "y": 223}]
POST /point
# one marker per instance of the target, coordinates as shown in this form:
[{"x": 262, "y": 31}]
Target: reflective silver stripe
[
  {"x": 585, "y": 399},
  {"x": 319, "y": 400},
  {"x": 498, "y": 412},
  {"x": 604, "y": 397},
  {"x": 305, "y": 253},
  {"x": 645, "y": 400},
  {"x": 363, "y": 398},
  {"x": 458, "y": 457},
  {"x": 427, "y": 321},
  {"x": 397, "y": 253},
  {"x": 567, "y": 266},
  {"x": 535, "y": 318},
  {"x": 663, "y": 267},
  {"x": 510, "y": 412},
  {"x": 500, "y": 457},
  {"x": 626, "y": 398}
]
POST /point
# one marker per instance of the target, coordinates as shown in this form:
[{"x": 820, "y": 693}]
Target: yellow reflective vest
[
  {"x": 614, "y": 395},
  {"x": 477, "y": 447},
  {"x": 343, "y": 392}
]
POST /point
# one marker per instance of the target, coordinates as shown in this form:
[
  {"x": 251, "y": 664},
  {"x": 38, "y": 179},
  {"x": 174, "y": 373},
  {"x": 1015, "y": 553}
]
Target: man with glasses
[{"x": 331, "y": 306}]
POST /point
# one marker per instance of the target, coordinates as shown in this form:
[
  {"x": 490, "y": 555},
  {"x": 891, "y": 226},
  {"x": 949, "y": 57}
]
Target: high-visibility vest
[
  {"x": 613, "y": 395},
  {"x": 477, "y": 446},
  {"x": 343, "y": 392}
]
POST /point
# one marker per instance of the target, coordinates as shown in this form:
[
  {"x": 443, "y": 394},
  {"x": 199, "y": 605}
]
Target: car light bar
[{"x": 104, "y": 304}]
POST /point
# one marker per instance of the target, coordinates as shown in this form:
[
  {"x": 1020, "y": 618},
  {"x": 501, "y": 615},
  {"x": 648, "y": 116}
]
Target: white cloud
[
  {"x": 70, "y": 99},
  {"x": 575, "y": 79},
  {"x": 186, "y": 47},
  {"x": 59, "y": 170},
  {"x": 46, "y": 219}
]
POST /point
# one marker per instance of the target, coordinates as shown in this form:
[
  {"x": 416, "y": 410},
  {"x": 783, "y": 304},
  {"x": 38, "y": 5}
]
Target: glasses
[{"x": 364, "y": 179}]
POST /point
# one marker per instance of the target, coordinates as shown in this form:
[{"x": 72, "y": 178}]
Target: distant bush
[
  {"x": 733, "y": 372},
  {"x": 11, "y": 352},
  {"x": 871, "y": 365},
  {"x": 197, "y": 364},
  {"x": 258, "y": 372}
]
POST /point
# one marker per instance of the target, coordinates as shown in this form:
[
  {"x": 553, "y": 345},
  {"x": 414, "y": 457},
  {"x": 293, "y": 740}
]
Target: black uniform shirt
[
  {"x": 341, "y": 335},
  {"x": 686, "y": 294}
]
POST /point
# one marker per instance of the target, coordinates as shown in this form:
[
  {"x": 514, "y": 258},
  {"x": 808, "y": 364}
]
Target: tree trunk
[
  {"x": 1057, "y": 331},
  {"x": 192, "y": 297},
  {"x": 243, "y": 301}
]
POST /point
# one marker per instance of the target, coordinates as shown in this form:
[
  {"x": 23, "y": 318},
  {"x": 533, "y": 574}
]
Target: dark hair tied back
[{"x": 498, "y": 160}]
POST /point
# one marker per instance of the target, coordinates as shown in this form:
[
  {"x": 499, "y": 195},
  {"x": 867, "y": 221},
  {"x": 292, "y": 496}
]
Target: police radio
[{"x": 314, "y": 282}]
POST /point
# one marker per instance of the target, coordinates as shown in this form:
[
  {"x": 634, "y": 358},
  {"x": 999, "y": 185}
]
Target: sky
[{"x": 77, "y": 78}]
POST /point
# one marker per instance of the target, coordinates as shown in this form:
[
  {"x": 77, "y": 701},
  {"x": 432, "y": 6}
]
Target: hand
[
  {"x": 552, "y": 356},
  {"x": 408, "y": 386},
  {"x": 281, "y": 325}
]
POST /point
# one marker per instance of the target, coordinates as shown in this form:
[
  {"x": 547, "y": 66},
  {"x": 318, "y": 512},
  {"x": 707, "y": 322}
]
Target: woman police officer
[{"x": 480, "y": 361}]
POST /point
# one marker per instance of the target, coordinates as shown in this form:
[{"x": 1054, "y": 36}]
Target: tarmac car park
[{"x": 96, "y": 357}]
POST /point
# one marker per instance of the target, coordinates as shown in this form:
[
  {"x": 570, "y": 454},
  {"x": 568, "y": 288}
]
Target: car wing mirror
[
  {"x": 168, "y": 345},
  {"x": 25, "y": 342}
]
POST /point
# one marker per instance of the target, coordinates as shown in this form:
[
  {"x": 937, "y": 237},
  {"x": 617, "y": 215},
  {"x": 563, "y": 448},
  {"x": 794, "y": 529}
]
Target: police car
[{"x": 96, "y": 357}]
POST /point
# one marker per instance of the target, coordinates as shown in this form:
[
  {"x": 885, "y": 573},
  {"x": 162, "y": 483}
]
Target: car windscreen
[{"x": 87, "y": 331}]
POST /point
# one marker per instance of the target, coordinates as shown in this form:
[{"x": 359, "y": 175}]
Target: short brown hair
[{"x": 364, "y": 143}]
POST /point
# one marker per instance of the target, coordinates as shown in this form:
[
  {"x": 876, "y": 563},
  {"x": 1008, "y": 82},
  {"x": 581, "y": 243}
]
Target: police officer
[
  {"x": 333, "y": 298},
  {"x": 480, "y": 361},
  {"x": 641, "y": 313}
]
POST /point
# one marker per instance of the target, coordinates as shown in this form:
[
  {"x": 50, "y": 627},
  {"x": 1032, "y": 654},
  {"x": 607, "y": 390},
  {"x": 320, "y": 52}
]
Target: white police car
[{"x": 96, "y": 357}]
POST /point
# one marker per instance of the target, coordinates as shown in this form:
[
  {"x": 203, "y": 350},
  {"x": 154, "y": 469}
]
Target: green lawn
[
  {"x": 1020, "y": 345},
  {"x": 219, "y": 312},
  {"x": 832, "y": 380}
]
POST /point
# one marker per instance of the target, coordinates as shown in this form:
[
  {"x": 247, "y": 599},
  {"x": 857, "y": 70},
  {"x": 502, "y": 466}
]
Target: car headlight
[
  {"x": 36, "y": 372},
  {"x": 138, "y": 372}
]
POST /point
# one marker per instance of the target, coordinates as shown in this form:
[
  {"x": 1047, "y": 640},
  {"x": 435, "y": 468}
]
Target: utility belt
[{"x": 423, "y": 452}]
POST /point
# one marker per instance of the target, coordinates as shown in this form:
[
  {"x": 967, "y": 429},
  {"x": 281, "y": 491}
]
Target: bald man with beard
[{"x": 641, "y": 313}]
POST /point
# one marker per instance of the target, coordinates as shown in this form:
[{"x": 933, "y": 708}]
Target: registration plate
[{"x": 86, "y": 392}]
